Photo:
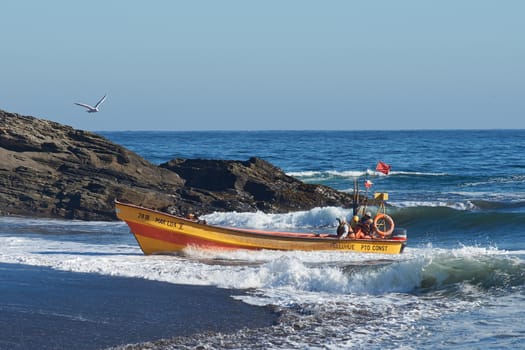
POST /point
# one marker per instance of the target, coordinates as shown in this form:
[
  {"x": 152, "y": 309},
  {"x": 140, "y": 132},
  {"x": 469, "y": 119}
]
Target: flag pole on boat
[
  {"x": 380, "y": 167},
  {"x": 355, "y": 203},
  {"x": 368, "y": 185}
]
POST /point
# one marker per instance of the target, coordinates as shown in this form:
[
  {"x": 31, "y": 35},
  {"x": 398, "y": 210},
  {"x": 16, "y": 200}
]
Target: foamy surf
[
  {"x": 294, "y": 274},
  {"x": 384, "y": 300}
]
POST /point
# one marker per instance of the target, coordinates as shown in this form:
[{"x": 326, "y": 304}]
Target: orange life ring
[{"x": 388, "y": 225}]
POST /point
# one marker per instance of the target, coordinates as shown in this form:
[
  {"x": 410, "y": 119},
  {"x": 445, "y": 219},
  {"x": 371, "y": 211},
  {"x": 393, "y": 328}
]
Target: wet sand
[{"x": 42, "y": 308}]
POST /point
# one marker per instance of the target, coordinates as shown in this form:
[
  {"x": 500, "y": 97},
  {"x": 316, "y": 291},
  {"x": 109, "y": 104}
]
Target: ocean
[{"x": 459, "y": 284}]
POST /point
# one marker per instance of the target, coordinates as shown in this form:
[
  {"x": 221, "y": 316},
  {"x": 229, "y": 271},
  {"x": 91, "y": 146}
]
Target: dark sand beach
[{"x": 42, "y": 308}]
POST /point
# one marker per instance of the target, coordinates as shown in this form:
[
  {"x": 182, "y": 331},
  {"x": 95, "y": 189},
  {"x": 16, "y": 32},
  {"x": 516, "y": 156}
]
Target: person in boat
[
  {"x": 366, "y": 226},
  {"x": 354, "y": 224},
  {"x": 194, "y": 218},
  {"x": 344, "y": 230}
]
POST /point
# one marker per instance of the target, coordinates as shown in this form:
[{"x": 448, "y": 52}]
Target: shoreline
[{"x": 50, "y": 309}]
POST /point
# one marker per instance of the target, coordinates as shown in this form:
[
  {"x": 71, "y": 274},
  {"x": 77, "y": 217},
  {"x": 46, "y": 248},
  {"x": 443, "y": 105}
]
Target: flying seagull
[{"x": 92, "y": 109}]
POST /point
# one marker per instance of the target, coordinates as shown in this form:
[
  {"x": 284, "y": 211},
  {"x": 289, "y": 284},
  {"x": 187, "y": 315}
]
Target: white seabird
[{"x": 92, "y": 109}]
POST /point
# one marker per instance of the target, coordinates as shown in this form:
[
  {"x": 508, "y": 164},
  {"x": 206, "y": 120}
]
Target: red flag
[
  {"x": 383, "y": 168},
  {"x": 368, "y": 183}
]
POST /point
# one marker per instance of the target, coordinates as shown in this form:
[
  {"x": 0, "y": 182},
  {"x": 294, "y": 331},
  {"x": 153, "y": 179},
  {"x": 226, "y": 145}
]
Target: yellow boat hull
[{"x": 161, "y": 233}]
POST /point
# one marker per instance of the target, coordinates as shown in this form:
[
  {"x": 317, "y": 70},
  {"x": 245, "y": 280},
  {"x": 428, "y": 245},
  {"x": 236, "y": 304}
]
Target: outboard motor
[{"x": 399, "y": 234}]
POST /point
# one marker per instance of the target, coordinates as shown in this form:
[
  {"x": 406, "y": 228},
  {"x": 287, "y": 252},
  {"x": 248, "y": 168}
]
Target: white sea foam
[
  {"x": 374, "y": 292},
  {"x": 352, "y": 174},
  {"x": 341, "y": 289},
  {"x": 491, "y": 196},
  {"x": 327, "y": 174},
  {"x": 513, "y": 179},
  {"x": 466, "y": 205},
  {"x": 315, "y": 218},
  {"x": 282, "y": 277},
  {"x": 308, "y": 173},
  {"x": 416, "y": 173},
  {"x": 291, "y": 273}
]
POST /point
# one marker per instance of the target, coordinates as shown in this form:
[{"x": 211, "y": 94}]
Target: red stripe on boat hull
[{"x": 179, "y": 239}]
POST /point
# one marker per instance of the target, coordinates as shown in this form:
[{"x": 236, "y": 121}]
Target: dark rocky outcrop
[
  {"x": 52, "y": 170},
  {"x": 249, "y": 185}
]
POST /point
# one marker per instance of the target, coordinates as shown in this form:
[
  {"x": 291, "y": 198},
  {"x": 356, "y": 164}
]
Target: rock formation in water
[{"x": 52, "y": 170}]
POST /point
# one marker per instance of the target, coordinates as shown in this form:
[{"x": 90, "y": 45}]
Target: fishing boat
[{"x": 162, "y": 233}]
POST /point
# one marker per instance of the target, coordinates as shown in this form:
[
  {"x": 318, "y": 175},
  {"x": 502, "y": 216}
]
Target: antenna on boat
[
  {"x": 368, "y": 185},
  {"x": 355, "y": 203}
]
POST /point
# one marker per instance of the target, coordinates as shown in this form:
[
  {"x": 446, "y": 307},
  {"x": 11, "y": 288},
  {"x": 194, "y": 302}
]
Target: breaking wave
[{"x": 313, "y": 175}]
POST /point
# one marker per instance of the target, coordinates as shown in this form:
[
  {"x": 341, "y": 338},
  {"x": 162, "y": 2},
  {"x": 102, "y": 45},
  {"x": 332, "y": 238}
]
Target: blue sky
[{"x": 266, "y": 65}]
